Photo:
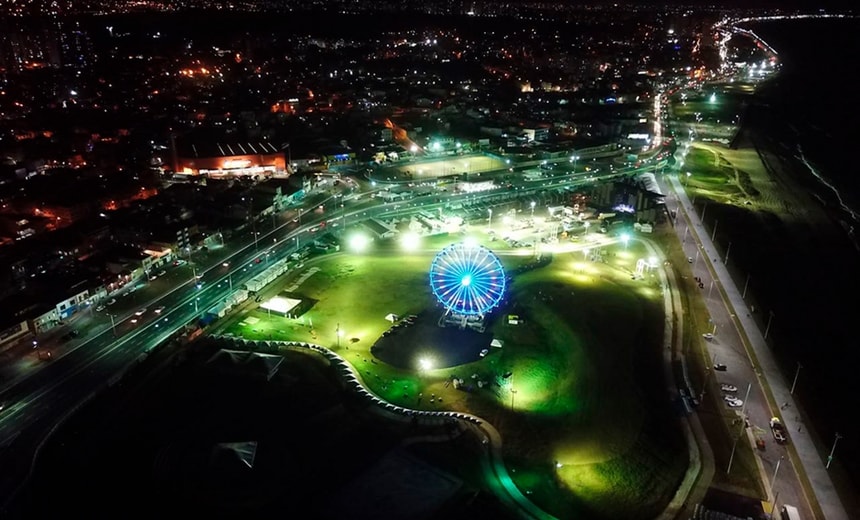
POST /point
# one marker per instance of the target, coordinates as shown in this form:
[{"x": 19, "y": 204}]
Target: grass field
[
  {"x": 430, "y": 169},
  {"x": 584, "y": 415}
]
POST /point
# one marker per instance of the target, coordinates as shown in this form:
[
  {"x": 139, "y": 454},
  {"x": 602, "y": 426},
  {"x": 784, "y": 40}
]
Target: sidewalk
[{"x": 809, "y": 459}]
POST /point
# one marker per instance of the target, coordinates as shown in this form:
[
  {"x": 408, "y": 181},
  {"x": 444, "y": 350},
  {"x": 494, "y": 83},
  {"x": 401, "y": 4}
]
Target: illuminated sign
[{"x": 236, "y": 163}]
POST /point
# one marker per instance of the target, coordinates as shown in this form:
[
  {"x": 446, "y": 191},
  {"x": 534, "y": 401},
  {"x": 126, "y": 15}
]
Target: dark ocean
[{"x": 809, "y": 115}]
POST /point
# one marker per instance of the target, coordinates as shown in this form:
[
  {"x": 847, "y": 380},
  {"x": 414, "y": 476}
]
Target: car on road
[
  {"x": 153, "y": 277},
  {"x": 140, "y": 312},
  {"x": 733, "y": 401},
  {"x": 159, "y": 309},
  {"x": 720, "y": 367},
  {"x": 708, "y": 336},
  {"x": 111, "y": 301},
  {"x": 728, "y": 388},
  {"x": 778, "y": 430},
  {"x": 162, "y": 273},
  {"x": 100, "y": 308},
  {"x": 484, "y": 352}
]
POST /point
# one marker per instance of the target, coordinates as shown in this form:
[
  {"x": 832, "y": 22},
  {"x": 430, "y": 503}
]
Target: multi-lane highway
[{"x": 38, "y": 400}]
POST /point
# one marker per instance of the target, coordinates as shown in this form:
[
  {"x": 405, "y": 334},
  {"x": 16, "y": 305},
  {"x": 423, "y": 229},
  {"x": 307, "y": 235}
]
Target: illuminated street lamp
[
  {"x": 625, "y": 238},
  {"x": 533, "y": 208},
  {"x": 490, "y": 220},
  {"x": 573, "y": 159},
  {"x": 339, "y": 335}
]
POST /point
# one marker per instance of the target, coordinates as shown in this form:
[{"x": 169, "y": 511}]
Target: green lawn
[{"x": 585, "y": 364}]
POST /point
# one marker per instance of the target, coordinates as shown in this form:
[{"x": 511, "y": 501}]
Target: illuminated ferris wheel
[{"x": 468, "y": 280}]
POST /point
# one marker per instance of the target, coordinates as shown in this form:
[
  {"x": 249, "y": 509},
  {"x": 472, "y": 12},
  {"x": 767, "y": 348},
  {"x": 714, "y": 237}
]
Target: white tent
[{"x": 496, "y": 343}]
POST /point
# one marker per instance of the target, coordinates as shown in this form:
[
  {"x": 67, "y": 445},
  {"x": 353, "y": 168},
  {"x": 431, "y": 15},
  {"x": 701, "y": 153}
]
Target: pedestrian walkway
[{"x": 810, "y": 460}]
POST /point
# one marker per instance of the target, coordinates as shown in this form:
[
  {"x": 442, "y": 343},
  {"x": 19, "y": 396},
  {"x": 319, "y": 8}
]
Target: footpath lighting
[{"x": 425, "y": 364}]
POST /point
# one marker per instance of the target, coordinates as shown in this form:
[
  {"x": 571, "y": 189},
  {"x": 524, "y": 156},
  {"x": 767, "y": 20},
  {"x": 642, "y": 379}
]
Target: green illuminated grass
[{"x": 585, "y": 364}]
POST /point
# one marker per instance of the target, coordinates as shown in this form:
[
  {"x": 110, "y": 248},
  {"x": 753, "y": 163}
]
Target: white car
[
  {"x": 159, "y": 309},
  {"x": 140, "y": 312},
  {"x": 733, "y": 401},
  {"x": 728, "y": 388},
  {"x": 708, "y": 336},
  {"x": 485, "y": 352}
]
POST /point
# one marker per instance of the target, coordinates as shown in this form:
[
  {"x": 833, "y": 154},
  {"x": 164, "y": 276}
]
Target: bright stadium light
[
  {"x": 470, "y": 242},
  {"x": 425, "y": 364},
  {"x": 359, "y": 242},
  {"x": 410, "y": 241}
]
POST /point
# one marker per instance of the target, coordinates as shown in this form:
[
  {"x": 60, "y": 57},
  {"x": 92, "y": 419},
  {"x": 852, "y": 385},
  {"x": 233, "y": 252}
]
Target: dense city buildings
[{"x": 121, "y": 107}]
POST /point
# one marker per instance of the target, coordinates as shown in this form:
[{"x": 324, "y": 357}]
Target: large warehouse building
[{"x": 236, "y": 159}]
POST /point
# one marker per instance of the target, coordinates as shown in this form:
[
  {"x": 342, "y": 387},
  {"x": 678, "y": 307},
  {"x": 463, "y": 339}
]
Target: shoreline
[{"x": 801, "y": 261}]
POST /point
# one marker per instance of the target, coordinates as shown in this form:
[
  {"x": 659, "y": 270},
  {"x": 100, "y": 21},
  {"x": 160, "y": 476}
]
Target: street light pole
[
  {"x": 490, "y": 220},
  {"x": 734, "y": 446},
  {"x": 794, "y": 383},
  {"x": 728, "y": 250},
  {"x": 773, "y": 480},
  {"x": 338, "y": 335},
  {"x": 833, "y": 449},
  {"x": 746, "y": 284},
  {"x": 112, "y": 324},
  {"x": 746, "y": 399},
  {"x": 714, "y": 233},
  {"x": 769, "y": 320}
]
